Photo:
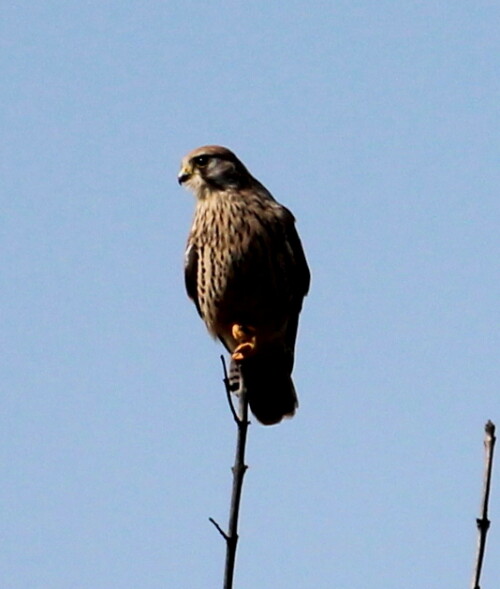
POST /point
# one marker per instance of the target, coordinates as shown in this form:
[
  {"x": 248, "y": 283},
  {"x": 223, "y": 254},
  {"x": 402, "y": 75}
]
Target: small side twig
[
  {"x": 239, "y": 468},
  {"x": 219, "y": 529},
  {"x": 483, "y": 523}
]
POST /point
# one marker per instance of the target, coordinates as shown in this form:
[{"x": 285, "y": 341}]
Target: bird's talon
[
  {"x": 242, "y": 333},
  {"x": 245, "y": 337},
  {"x": 243, "y": 351}
]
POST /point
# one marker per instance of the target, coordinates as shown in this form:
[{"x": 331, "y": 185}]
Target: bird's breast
[{"x": 238, "y": 276}]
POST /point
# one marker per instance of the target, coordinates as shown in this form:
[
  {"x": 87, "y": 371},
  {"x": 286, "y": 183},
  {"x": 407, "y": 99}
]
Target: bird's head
[{"x": 212, "y": 168}]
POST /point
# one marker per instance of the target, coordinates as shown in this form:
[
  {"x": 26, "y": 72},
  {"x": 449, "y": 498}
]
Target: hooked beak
[{"x": 184, "y": 174}]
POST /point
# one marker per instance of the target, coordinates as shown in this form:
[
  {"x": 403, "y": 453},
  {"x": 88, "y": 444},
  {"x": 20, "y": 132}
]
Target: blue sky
[{"x": 377, "y": 124}]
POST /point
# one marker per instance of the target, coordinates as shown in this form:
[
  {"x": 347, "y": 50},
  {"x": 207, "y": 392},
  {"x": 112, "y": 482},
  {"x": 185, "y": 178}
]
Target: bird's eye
[{"x": 201, "y": 160}]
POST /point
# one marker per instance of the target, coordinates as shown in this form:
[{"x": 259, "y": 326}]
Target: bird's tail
[{"x": 269, "y": 386}]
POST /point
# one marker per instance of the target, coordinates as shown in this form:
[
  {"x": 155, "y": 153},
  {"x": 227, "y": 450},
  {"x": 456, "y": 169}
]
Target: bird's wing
[
  {"x": 191, "y": 274},
  {"x": 300, "y": 274},
  {"x": 300, "y": 279}
]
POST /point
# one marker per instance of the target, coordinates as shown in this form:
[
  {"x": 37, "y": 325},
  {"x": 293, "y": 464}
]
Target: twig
[
  {"x": 219, "y": 529},
  {"x": 239, "y": 469},
  {"x": 227, "y": 386},
  {"x": 483, "y": 523}
]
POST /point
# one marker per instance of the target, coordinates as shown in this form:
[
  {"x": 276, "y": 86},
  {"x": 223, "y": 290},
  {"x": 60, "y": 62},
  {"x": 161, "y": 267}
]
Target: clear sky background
[{"x": 377, "y": 123}]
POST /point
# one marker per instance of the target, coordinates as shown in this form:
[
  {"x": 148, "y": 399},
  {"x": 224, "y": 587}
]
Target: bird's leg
[{"x": 246, "y": 338}]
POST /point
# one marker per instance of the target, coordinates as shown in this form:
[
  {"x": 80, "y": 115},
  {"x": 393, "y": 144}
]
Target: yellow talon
[
  {"x": 240, "y": 332},
  {"x": 244, "y": 351},
  {"x": 247, "y": 342}
]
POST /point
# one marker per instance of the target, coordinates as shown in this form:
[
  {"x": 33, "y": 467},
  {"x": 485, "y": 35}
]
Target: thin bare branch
[
  {"x": 227, "y": 386},
  {"x": 239, "y": 468},
  {"x": 483, "y": 523}
]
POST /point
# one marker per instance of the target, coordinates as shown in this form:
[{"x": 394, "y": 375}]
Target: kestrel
[{"x": 247, "y": 274}]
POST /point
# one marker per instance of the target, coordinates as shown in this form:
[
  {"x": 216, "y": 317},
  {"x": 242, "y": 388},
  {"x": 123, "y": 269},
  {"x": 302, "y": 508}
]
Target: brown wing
[
  {"x": 300, "y": 272},
  {"x": 191, "y": 274},
  {"x": 300, "y": 277}
]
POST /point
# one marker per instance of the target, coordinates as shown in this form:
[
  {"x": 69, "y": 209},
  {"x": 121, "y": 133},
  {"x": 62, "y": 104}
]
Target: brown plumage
[{"x": 246, "y": 272}]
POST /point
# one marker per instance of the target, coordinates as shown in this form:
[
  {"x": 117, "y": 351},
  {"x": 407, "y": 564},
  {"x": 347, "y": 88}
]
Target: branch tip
[
  {"x": 483, "y": 523},
  {"x": 227, "y": 386},
  {"x": 489, "y": 428}
]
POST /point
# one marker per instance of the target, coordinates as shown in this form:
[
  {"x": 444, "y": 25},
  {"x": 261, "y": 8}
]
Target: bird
[{"x": 247, "y": 274}]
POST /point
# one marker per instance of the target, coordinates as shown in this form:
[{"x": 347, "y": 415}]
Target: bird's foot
[{"x": 247, "y": 342}]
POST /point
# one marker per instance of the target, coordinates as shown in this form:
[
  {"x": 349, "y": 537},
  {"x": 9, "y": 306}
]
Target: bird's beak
[{"x": 185, "y": 173}]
